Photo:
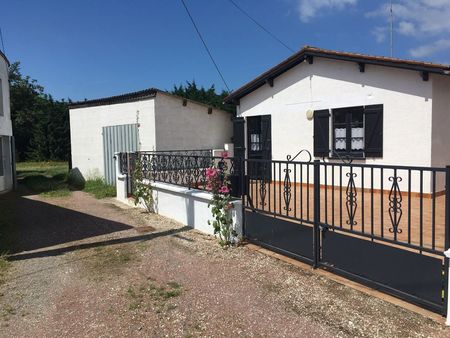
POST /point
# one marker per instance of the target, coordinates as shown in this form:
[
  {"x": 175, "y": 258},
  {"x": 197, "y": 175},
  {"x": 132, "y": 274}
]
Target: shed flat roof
[
  {"x": 311, "y": 52},
  {"x": 123, "y": 98}
]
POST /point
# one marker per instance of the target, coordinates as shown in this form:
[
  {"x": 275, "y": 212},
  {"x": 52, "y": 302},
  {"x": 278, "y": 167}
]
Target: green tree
[
  {"x": 208, "y": 96},
  {"x": 40, "y": 123}
]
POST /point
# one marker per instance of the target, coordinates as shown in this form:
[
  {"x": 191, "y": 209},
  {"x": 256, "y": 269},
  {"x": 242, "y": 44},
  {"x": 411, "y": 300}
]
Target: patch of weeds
[
  {"x": 271, "y": 287},
  {"x": 142, "y": 246},
  {"x": 4, "y": 266},
  {"x": 99, "y": 189},
  {"x": 157, "y": 295},
  {"x": 107, "y": 260},
  {"x": 136, "y": 298},
  {"x": 63, "y": 192},
  {"x": 8, "y": 310}
]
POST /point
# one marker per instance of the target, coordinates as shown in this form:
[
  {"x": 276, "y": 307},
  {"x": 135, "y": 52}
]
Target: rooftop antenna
[{"x": 392, "y": 30}]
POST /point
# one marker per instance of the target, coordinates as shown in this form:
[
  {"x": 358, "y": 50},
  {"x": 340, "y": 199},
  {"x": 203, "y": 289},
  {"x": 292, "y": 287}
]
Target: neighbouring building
[
  {"x": 347, "y": 106},
  {"x": 148, "y": 120},
  {"x": 7, "y": 167}
]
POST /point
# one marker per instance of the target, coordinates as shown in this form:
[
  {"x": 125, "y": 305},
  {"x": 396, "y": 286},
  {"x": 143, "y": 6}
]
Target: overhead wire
[
  {"x": 205, "y": 45},
  {"x": 261, "y": 26}
]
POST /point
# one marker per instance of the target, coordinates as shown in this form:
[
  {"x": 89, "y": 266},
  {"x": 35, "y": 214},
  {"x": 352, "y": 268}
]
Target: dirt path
[{"x": 90, "y": 268}]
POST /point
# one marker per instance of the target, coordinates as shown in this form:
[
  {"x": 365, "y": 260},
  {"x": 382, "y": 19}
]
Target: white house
[
  {"x": 374, "y": 110},
  {"x": 148, "y": 120},
  {"x": 7, "y": 170}
]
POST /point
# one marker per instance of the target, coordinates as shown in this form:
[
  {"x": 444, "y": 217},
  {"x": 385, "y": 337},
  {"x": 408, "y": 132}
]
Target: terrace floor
[{"x": 421, "y": 220}]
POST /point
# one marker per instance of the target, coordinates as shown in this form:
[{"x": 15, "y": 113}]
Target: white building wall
[
  {"x": 86, "y": 131},
  {"x": 440, "y": 151},
  {"x": 6, "y": 181},
  {"x": 181, "y": 127},
  {"x": 328, "y": 84}
]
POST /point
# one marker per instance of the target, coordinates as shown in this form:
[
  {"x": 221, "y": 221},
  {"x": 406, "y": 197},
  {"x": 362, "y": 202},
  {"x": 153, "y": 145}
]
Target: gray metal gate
[
  {"x": 121, "y": 138},
  {"x": 362, "y": 221}
]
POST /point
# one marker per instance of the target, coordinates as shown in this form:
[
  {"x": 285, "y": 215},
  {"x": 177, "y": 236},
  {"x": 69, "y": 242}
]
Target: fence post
[
  {"x": 316, "y": 229},
  {"x": 447, "y": 243},
  {"x": 243, "y": 190}
]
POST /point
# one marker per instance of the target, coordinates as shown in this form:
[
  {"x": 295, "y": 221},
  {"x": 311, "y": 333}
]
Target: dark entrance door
[{"x": 259, "y": 146}]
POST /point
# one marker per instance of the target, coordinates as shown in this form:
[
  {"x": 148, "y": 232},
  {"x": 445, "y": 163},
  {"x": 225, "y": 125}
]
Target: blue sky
[{"x": 88, "y": 49}]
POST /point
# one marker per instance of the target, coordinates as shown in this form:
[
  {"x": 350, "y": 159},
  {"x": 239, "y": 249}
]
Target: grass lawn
[
  {"x": 46, "y": 178},
  {"x": 50, "y": 180}
]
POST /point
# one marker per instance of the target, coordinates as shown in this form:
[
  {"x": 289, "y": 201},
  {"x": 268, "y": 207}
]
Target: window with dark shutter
[
  {"x": 2, "y": 173},
  {"x": 348, "y": 131},
  {"x": 266, "y": 135},
  {"x": 322, "y": 133},
  {"x": 373, "y": 130},
  {"x": 239, "y": 136}
]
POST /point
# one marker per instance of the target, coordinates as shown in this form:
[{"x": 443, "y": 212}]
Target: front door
[{"x": 259, "y": 146}]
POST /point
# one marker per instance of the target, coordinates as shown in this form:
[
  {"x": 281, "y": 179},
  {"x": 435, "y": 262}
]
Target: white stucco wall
[
  {"x": 440, "y": 151},
  {"x": 190, "y": 127},
  {"x": 328, "y": 84},
  {"x": 6, "y": 181},
  {"x": 440, "y": 154},
  {"x": 86, "y": 131},
  {"x": 187, "y": 206}
]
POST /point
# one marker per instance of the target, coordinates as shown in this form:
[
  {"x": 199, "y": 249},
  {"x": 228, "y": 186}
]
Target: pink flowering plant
[{"x": 217, "y": 182}]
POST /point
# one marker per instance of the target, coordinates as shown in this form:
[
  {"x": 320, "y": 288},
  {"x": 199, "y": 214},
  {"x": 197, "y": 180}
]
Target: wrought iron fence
[
  {"x": 397, "y": 204},
  {"x": 178, "y": 169},
  {"x": 188, "y": 152}
]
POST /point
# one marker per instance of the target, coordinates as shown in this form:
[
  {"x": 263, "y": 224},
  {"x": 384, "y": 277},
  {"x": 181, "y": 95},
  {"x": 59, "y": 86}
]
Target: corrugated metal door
[{"x": 122, "y": 138}]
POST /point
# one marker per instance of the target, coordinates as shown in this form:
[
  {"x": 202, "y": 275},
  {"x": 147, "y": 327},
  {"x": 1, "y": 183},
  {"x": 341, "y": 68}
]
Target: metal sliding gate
[{"x": 383, "y": 226}]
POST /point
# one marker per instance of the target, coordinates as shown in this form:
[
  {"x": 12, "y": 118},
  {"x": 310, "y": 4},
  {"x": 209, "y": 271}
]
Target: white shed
[
  {"x": 148, "y": 120},
  {"x": 7, "y": 170}
]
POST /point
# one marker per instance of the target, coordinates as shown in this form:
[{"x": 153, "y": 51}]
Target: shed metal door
[{"x": 122, "y": 138}]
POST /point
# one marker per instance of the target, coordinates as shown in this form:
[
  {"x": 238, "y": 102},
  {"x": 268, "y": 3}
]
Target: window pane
[{"x": 357, "y": 116}]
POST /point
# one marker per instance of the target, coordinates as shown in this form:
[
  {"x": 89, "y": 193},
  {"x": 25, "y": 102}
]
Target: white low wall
[{"x": 187, "y": 206}]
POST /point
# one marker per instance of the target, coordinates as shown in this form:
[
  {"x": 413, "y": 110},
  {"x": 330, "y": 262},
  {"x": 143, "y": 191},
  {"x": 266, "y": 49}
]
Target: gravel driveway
[{"x": 88, "y": 268}]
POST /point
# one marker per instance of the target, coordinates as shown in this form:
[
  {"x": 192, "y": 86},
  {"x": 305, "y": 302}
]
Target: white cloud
[
  {"x": 309, "y": 9},
  {"x": 379, "y": 33},
  {"x": 406, "y": 28},
  {"x": 425, "y": 17},
  {"x": 421, "y": 19},
  {"x": 430, "y": 49}
]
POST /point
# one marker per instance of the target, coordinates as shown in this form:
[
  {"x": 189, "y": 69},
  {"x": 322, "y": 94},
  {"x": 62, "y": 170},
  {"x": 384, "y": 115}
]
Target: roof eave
[
  {"x": 126, "y": 98},
  {"x": 5, "y": 58},
  {"x": 300, "y": 56}
]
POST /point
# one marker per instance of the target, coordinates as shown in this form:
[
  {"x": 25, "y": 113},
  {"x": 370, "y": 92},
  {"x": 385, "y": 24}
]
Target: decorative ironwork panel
[
  {"x": 287, "y": 189},
  {"x": 174, "y": 168},
  {"x": 351, "y": 199},
  {"x": 263, "y": 191},
  {"x": 395, "y": 204}
]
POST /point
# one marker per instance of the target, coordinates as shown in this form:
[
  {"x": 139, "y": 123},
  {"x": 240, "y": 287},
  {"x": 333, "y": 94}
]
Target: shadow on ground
[{"x": 27, "y": 224}]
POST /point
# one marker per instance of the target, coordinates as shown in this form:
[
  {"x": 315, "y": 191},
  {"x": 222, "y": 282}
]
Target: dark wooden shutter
[
  {"x": 239, "y": 136},
  {"x": 321, "y": 133},
  {"x": 266, "y": 136},
  {"x": 373, "y": 130}
]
